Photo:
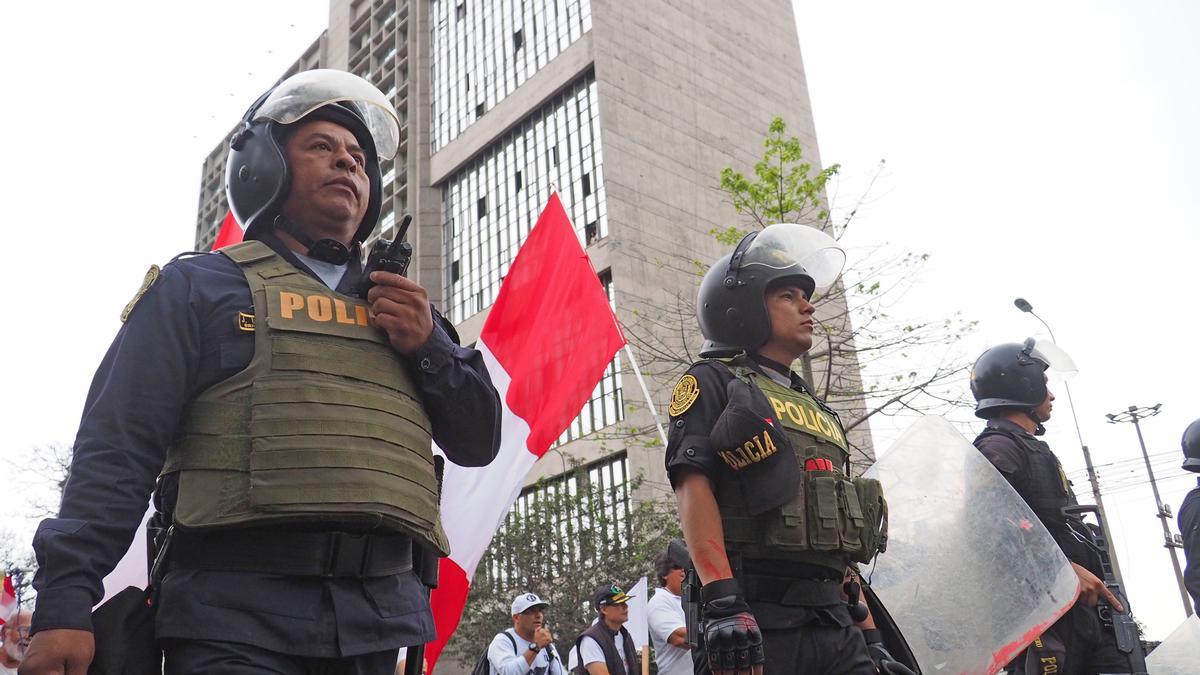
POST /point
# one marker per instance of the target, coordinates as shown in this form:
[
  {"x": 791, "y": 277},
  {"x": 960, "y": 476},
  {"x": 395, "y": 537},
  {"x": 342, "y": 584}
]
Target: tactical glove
[
  {"x": 732, "y": 638},
  {"x": 884, "y": 661}
]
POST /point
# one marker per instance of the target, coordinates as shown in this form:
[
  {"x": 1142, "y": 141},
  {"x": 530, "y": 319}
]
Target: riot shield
[
  {"x": 1179, "y": 654},
  {"x": 970, "y": 575}
]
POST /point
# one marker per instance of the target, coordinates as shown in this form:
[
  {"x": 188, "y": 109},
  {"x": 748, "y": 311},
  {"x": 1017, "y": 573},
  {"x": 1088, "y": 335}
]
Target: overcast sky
[{"x": 1043, "y": 150}]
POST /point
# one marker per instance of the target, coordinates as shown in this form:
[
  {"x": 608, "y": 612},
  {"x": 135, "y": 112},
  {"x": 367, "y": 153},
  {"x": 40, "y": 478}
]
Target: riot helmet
[
  {"x": 1191, "y": 447},
  {"x": 1012, "y": 377},
  {"x": 732, "y": 307},
  {"x": 257, "y": 177}
]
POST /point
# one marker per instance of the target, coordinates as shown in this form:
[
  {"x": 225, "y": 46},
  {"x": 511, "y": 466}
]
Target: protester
[
  {"x": 668, "y": 630},
  {"x": 527, "y": 647},
  {"x": 606, "y": 648},
  {"x": 15, "y": 636}
]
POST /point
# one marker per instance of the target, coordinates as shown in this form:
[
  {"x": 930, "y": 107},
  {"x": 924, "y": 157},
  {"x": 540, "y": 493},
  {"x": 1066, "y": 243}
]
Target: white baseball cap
[{"x": 526, "y": 600}]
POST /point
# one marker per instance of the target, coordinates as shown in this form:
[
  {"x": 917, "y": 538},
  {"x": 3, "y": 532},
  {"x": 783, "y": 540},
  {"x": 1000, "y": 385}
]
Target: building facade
[{"x": 629, "y": 109}]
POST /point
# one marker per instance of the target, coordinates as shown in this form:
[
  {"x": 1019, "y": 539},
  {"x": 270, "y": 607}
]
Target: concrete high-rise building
[{"x": 628, "y": 108}]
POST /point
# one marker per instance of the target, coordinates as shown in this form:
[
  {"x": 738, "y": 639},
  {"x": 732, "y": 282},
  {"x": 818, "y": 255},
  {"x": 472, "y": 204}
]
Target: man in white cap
[{"x": 527, "y": 647}]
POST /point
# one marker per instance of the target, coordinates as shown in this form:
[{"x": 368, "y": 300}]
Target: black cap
[{"x": 610, "y": 594}]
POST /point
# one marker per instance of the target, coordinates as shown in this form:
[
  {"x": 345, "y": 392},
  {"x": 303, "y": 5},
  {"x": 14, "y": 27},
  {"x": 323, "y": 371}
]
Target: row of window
[
  {"x": 490, "y": 205},
  {"x": 485, "y": 49}
]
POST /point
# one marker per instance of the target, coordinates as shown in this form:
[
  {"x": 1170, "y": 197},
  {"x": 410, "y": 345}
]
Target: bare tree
[
  {"x": 866, "y": 360},
  {"x": 48, "y": 467}
]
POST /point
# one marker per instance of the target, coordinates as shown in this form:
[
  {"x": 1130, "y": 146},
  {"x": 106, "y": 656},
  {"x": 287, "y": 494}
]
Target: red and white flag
[
  {"x": 546, "y": 343},
  {"x": 230, "y": 233},
  {"x": 8, "y": 599}
]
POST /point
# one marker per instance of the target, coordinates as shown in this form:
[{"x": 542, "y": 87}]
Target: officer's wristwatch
[{"x": 534, "y": 648}]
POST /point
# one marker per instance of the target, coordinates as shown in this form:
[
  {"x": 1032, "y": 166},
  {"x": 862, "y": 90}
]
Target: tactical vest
[
  {"x": 324, "y": 426},
  {"x": 1041, "y": 482},
  {"x": 830, "y": 518}
]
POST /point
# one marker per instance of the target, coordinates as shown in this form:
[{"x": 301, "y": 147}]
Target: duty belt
[
  {"x": 791, "y": 592},
  {"x": 310, "y": 554}
]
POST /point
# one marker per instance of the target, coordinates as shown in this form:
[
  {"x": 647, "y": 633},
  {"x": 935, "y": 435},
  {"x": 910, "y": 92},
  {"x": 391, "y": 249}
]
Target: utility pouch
[
  {"x": 823, "y": 511},
  {"x": 874, "y": 511},
  {"x": 852, "y": 521},
  {"x": 789, "y": 529}
]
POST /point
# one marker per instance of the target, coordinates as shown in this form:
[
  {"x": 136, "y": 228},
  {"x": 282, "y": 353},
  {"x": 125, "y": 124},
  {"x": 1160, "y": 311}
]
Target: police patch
[
  {"x": 687, "y": 390},
  {"x": 245, "y": 322},
  {"x": 147, "y": 282}
]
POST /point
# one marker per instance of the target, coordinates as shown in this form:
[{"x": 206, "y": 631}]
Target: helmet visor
[
  {"x": 784, "y": 245},
  {"x": 304, "y": 92},
  {"x": 1053, "y": 356}
]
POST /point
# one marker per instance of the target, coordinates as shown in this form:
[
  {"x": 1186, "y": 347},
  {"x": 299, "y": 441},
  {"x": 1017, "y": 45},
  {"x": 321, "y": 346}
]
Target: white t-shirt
[
  {"x": 665, "y": 616},
  {"x": 591, "y": 652},
  {"x": 506, "y": 661},
  {"x": 4, "y": 670}
]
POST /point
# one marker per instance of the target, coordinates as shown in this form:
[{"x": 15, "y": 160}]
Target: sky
[
  {"x": 1041, "y": 150},
  {"x": 1037, "y": 150}
]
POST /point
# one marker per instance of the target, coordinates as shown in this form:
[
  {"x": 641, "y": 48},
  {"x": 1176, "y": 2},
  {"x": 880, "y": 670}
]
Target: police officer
[
  {"x": 760, "y": 469},
  {"x": 1189, "y": 514},
  {"x": 288, "y": 424},
  {"x": 1009, "y": 385}
]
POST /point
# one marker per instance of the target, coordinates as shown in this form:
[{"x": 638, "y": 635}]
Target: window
[
  {"x": 503, "y": 44},
  {"x": 510, "y": 183},
  {"x": 587, "y": 184}
]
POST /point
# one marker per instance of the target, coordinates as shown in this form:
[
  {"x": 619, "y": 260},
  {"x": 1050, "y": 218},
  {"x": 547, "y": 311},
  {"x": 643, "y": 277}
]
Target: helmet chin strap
[
  {"x": 1039, "y": 430},
  {"x": 327, "y": 250}
]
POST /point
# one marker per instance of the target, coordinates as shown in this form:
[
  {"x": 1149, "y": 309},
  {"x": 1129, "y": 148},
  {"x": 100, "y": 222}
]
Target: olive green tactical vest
[
  {"x": 324, "y": 426},
  {"x": 832, "y": 519}
]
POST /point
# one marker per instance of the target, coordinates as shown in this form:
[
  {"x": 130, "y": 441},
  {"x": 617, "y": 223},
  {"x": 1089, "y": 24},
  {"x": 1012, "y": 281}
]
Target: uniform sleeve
[
  {"x": 129, "y": 418},
  {"x": 1003, "y": 453},
  {"x": 503, "y": 659},
  {"x": 460, "y": 400},
  {"x": 696, "y": 403}
]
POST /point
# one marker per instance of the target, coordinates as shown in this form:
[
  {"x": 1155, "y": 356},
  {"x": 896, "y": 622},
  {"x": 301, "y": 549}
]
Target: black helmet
[
  {"x": 257, "y": 176},
  {"x": 731, "y": 305},
  {"x": 1191, "y": 447},
  {"x": 1011, "y": 376}
]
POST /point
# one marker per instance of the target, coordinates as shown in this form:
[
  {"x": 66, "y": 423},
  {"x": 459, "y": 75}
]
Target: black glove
[
  {"x": 884, "y": 661},
  {"x": 732, "y": 638}
]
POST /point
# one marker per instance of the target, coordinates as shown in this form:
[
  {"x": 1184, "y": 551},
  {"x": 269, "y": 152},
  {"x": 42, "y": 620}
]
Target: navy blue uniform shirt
[
  {"x": 181, "y": 338},
  {"x": 1189, "y": 529}
]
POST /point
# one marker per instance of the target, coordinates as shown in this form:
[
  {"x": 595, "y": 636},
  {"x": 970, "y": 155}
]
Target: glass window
[
  {"x": 490, "y": 205},
  {"x": 496, "y": 46}
]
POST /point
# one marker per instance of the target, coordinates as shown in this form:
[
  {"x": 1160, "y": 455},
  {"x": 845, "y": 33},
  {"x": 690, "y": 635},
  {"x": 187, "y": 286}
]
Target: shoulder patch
[
  {"x": 147, "y": 282},
  {"x": 687, "y": 390}
]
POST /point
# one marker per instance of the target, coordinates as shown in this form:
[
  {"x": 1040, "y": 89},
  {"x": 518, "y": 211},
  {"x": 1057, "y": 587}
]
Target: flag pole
[{"x": 646, "y": 392}]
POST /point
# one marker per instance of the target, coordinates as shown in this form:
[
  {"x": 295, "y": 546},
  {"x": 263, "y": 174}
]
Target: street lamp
[
  {"x": 1133, "y": 414},
  {"x": 1023, "y": 305}
]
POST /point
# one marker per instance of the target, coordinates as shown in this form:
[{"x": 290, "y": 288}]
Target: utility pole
[
  {"x": 1023, "y": 305},
  {"x": 1133, "y": 414}
]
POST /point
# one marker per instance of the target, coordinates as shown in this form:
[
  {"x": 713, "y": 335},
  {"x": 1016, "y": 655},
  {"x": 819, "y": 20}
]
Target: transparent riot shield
[
  {"x": 970, "y": 575},
  {"x": 1179, "y": 654}
]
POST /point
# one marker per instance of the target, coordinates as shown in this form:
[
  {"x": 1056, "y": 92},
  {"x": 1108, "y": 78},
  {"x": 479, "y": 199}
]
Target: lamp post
[
  {"x": 1133, "y": 414},
  {"x": 1023, "y": 305}
]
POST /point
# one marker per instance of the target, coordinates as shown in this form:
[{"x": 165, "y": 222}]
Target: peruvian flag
[
  {"x": 8, "y": 598},
  {"x": 230, "y": 232},
  {"x": 546, "y": 343}
]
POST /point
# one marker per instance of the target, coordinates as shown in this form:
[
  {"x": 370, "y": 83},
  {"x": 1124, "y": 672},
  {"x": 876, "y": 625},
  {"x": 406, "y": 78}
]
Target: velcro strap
[{"x": 315, "y": 554}]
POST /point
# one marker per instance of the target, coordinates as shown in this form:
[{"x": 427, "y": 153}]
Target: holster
[{"x": 123, "y": 627}]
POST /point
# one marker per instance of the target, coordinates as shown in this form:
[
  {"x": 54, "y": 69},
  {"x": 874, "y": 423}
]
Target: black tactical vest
[
  {"x": 323, "y": 427},
  {"x": 788, "y": 496}
]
